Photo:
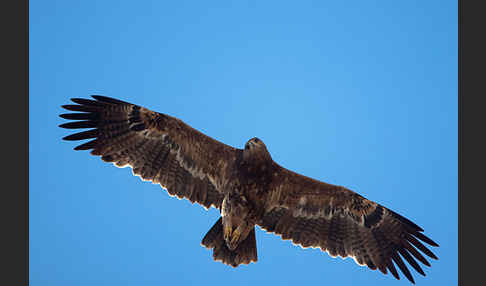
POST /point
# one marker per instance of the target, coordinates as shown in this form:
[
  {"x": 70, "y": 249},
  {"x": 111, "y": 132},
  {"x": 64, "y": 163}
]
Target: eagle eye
[{"x": 257, "y": 140}]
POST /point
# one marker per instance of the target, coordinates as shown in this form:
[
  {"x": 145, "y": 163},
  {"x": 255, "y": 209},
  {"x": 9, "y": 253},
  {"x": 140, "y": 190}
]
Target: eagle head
[{"x": 255, "y": 150}]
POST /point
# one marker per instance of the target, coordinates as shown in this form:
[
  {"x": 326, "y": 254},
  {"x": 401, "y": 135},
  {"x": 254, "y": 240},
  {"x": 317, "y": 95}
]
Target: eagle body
[{"x": 248, "y": 188}]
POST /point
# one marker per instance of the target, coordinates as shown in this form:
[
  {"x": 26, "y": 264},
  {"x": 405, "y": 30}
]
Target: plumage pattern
[
  {"x": 157, "y": 147},
  {"x": 249, "y": 189},
  {"x": 343, "y": 223}
]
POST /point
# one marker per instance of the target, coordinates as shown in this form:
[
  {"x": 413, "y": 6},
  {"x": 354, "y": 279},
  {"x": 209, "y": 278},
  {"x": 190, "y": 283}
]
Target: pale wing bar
[
  {"x": 126, "y": 135},
  {"x": 343, "y": 223}
]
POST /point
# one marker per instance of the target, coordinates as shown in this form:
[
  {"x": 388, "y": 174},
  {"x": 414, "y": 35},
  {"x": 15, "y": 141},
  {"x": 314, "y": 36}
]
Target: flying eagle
[{"x": 248, "y": 188}]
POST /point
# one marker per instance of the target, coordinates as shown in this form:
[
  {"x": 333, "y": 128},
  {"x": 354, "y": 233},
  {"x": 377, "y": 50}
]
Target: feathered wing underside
[
  {"x": 158, "y": 147},
  {"x": 341, "y": 222}
]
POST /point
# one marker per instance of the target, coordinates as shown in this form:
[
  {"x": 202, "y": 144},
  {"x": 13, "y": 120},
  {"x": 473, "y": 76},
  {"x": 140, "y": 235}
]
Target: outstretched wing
[
  {"x": 158, "y": 147},
  {"x": 341, "y": 222}
]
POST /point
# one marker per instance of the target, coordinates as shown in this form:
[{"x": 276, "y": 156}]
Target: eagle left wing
[
  {"x": 158, "y": 147},
  {"x": 337, "y": 220}
]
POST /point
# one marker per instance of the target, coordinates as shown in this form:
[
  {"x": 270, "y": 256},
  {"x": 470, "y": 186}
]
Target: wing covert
[
  {"x": 341, "y": 222},
  {"x": 158, "y": 147}
]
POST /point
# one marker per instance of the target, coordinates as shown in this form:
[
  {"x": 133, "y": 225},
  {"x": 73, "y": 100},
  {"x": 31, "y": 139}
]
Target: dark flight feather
[{"x": 157, "y": 145}]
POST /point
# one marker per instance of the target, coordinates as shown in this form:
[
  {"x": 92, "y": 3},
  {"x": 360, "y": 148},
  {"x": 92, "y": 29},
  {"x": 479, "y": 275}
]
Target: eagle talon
[
  {"x": 235, "y": 239},
  {"x": 227, "y": 233}
]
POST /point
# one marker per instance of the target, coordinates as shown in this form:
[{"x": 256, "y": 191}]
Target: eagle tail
[{"x": 245, "y": 253}]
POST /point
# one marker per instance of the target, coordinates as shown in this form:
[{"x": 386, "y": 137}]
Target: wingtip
[
  {"x": 426, "y": 239},
  {"x": 433, "y": 243},
  {"x": 107, "y": 99},
  {"x": 77, "y": 99}
]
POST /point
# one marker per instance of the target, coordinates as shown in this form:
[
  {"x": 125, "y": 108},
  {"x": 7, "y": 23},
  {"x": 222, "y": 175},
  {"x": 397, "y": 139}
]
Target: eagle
[{"x": 248, "y": 188}]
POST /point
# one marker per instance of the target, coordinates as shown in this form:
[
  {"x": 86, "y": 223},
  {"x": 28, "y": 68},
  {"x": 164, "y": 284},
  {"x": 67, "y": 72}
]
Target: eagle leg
[
  {"x": 239, "y": 233},
  {"x": 227, "y": 231}
]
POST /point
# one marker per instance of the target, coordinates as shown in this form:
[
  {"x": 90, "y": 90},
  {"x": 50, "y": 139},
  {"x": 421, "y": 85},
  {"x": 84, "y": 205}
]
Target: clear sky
[{"x": 355, "y": 93}]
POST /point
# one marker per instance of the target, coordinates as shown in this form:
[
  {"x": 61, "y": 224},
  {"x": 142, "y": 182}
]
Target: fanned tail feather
[{"x": 245, "y": 253}]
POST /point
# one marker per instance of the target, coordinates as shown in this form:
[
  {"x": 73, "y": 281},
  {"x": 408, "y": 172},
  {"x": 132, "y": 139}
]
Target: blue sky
[{"x": 356, "y": 93}]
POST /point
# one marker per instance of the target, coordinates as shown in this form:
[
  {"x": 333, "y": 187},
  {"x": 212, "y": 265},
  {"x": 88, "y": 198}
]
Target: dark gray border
[
  {"x": 15, "y": 118},
  {"x": 471, "y": 176}
]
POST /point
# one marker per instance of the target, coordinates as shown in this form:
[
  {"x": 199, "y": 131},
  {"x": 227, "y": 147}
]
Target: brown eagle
[{"x": 248, "y": 188}]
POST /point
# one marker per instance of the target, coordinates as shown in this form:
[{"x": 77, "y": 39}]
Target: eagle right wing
[
  {"x": 337, "y": 220},
  {"x": 158, "y": 147}
]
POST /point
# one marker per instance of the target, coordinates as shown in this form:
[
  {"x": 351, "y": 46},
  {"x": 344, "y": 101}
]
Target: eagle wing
[
  {"x": 341, "y": 222},
  {"x": 158, "y": 147}
]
